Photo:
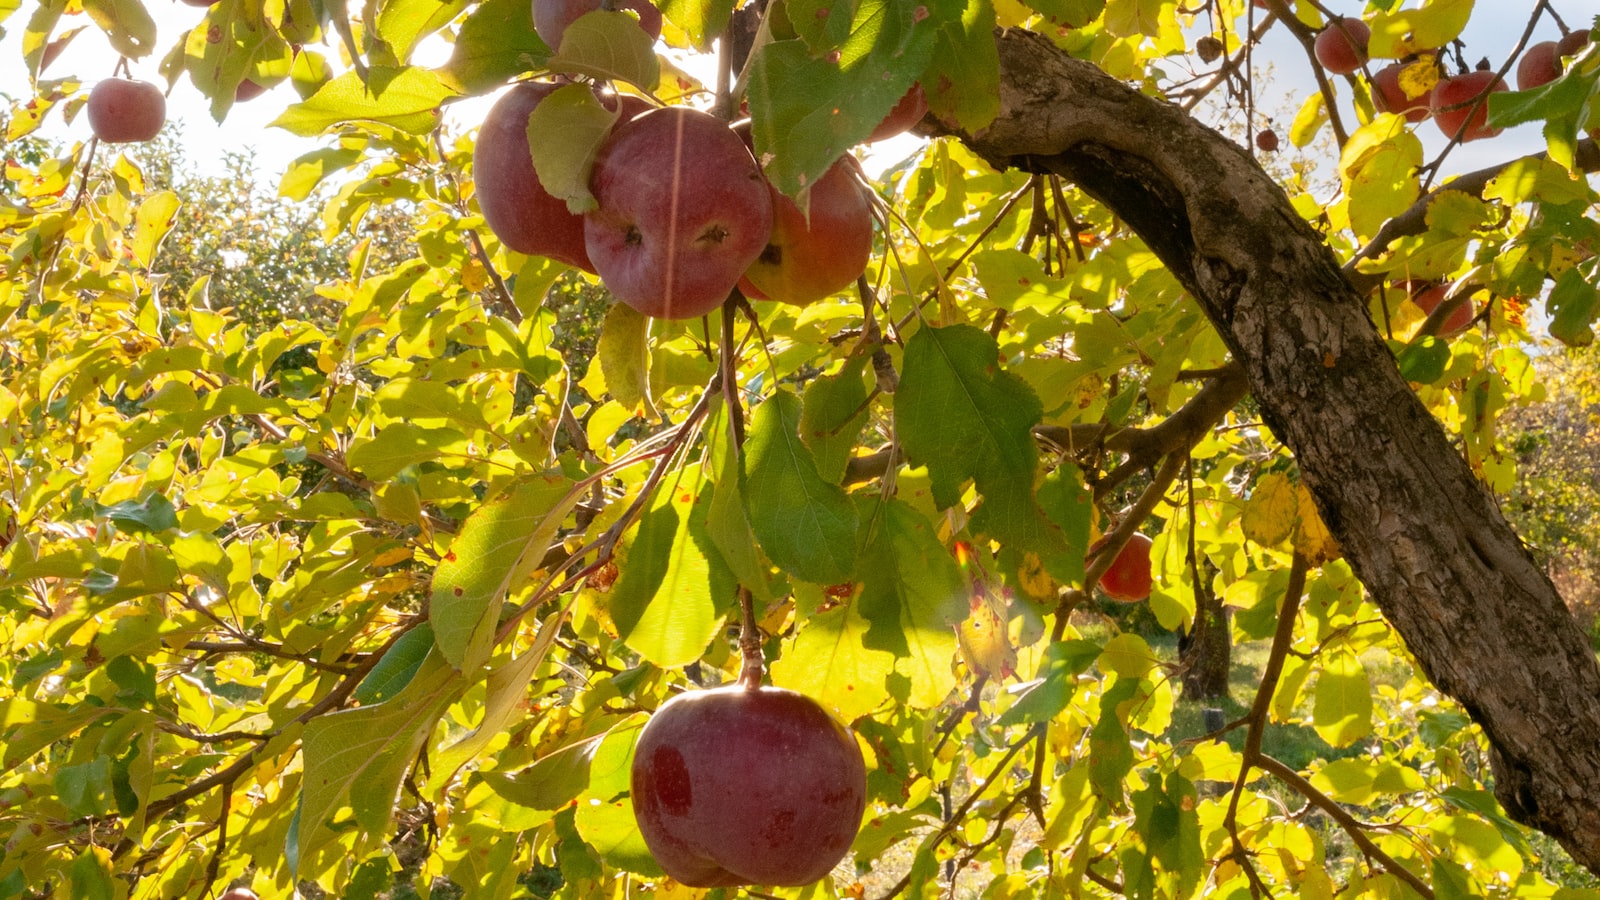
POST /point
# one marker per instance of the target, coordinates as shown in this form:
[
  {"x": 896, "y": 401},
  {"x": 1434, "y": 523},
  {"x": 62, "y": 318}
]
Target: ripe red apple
[
  {"x": 683, "y": 212},
  {"x": 738, "y": 786},
  {"x": 806, "y": 261},
  {"x": 1129, "y": 579},
  {"x": 1428, "y": 295},
  {"x": 122, "y": 111},
  {"x": 1341, "y": 47},
  {"x": 516, "y": 207},
  {"x": 907, "y": 112},
  {"x": 1572, "y": 43},
  {"x": 1456, "y": 107},
  {"x": 1539, "y": 65},
  {"x": 551, "y": 17},
  {"x": 1390, "y": 97}
]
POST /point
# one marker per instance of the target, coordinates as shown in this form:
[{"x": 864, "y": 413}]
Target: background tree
[{"x": 303, "y": 590}]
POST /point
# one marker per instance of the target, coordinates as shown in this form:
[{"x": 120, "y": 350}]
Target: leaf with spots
[
  {"x": 830, "y": 662},
  {"x": 498, "y": 547}
]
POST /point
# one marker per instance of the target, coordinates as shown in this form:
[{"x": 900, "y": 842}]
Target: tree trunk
[
  {"x": 1422, "y": 533},
  {"x": 1206, "y": 650}
]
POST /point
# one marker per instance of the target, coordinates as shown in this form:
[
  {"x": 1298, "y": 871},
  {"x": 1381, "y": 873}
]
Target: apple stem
[{"x": 752, "y": 666}]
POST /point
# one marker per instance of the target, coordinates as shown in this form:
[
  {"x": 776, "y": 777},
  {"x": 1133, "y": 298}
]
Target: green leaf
[
  {"x": 402, "y": 23},
  {"x": 832, "y": 416},
  {"x": 90, "y": 875},
  {"x": 962, "y": 82},
  {"x": 565, "y": 132},
  {"x": 701, "y": 20},
  {"x": 1360, "y": 780},
  {"x": 498, "y": 546},
  {"x": 727, "y": 525},
  {"x": 1071, "y": 13},
  {"x": 961, "y": 415},
  {"x": 127, "y": 25},
  {"x": 1128, "y": 656},
  {"x": 624, "y": 353},
  {"x": 155, "y": 218},
  {"x": 1308, "y": 120},
  {"x": 398, "y": 445},
  {"x": 497, "y": 42},
  {"x": 608, "y": 44},
  {"x": 1054, "y": 684},
  {"x": 806, "y": 525},
  {"x": 1424, "y": 360},
  {"x": 550, "y": 782},
  {"x": 663, "y": 602},
  {"x": 400, "y": 663},
  {"x": 912, "y": 594},
  {"x": 1573, "y": 304},
  {"x": 308, "y": 170},
  {"x": 154, "y": 513},
  {"x": 1342, "y": 700},
  {"x": 830, "y": 662},
  {"x": 604, "y": 811},
  {"x": 1110, "y": 751},
  {"x": 808, "y": 110},
  {"x": 505, "y": 691},
  {"x": 407, "y": 98},
  {"x": 359, "y": 756}
]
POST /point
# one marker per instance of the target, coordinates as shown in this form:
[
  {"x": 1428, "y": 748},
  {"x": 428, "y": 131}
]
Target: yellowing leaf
[
  {"x": 830, "y": 662},
  {"x": 1269, "y": 514},
  {"x": 1342, "y": 704},
  {"x": 1313, "y": 540},
  {"x": 984, "y": 641},
  {"x": 1435, "y": 24}
]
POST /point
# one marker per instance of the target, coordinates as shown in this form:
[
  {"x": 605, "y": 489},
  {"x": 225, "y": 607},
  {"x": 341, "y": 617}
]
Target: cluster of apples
[
  {"x": 1457, "y": 103},
  {"x": 683, "y": 213}
]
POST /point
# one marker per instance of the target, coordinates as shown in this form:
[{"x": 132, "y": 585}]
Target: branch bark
[{"x": 1425, "y": 537}]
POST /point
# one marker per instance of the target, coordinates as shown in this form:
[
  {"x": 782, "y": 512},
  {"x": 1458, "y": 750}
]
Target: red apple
[
  {"x": 1129, "y": 579},
  {"x": 551, "y": 17},
  {"x": 736, "y": 786},
  {"x": 1342, "y": 46},
  {"x": 683, "y": 212},
  {"x": 1390, "y": 97},
  {"x": 1456, "y": 105},
  {"x": 238, "y": 893},
  {"x": 1428, "y": 295},
  {"x": 1538, "y": 66},
  {"x": 122, "y": 111},
  {"x": 806, "y": 261},
  {"x": 248, "y": 90},
  {"x": 1572, "y": 43},
  {"x": 1267, "y": 140},
  {"x": 907, "y": 112}
]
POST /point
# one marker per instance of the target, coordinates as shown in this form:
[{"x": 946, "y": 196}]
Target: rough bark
[
  {"x": 1206, "y": 650},
  {"x": 1428, "y": 541}
]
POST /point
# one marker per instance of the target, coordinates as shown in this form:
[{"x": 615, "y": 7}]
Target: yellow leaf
[
  {"x": 1269, "y": 514},
  {"x": 985, "y": 646},
  {"x": 1313, "y": 540}
]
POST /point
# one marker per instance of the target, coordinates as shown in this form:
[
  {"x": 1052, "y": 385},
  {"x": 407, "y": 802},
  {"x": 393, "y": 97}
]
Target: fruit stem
[{"x": 752, "y": 665}]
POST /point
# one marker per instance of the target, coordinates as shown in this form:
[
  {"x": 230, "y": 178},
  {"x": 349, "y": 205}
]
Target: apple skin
[
  {"x": 238, "y": 893},
  {"x": 516, "y": 207},
  {"x": 123, "y": 111},
  {"x": 736, "y": 785},
  {"x": 907, "y": 112},
  {"x": 1129, "y": 578},
  {"x": 683, "y": 211},
  {"x": 551, "y": 17},
  {"x": 1427, "y": 295},
  {"x": 1341, "y": 47},
  {"x": 1572, "y": 43},
  {"x": 1452, "y": 102},
  {"x": 804, "y": 262},
  {"x": 1388, "y": 96}
]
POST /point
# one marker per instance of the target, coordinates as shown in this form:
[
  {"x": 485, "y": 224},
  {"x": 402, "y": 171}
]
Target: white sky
[{"x": 1494, "y": 31}]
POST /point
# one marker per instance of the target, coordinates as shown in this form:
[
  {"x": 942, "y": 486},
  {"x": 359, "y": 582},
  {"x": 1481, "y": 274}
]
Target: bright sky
[{"x": 1494, "y": 31}]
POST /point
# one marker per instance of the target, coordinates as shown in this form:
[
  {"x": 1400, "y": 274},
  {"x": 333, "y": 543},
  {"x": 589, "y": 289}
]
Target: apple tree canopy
[{"x": 371, "y": 596}]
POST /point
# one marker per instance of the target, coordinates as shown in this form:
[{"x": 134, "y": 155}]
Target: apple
[
  {"x": 1427, "y": 295},
  {"x": 683, "y": 211},
  {"x": 248, "y": 90},
  {"x": 1456, "y": 105},
  {"x": 238, "y": 893},
  {"x": 1538, "y": 66},
  {"x": 516, "y": 207},
  {"x": 907, "y": 112},
  {"x": 1389, "y": 96},
  {"x": 551, "y": 17},
  {"x": 1572, "y": 43},
  {"x": 1267, "y": 140},
  {"x": 123, "y": 111},
  {"x": 806, "y": 261},
  {"x": 738, "y": 785},
  {"x": 1342, "y": 46},
  {"x": 1129, "y": 578}
]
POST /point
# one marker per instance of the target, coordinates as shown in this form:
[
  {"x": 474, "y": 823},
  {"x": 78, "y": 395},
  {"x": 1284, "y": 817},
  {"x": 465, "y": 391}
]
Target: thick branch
[{"x": 1422, "y": 533}]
